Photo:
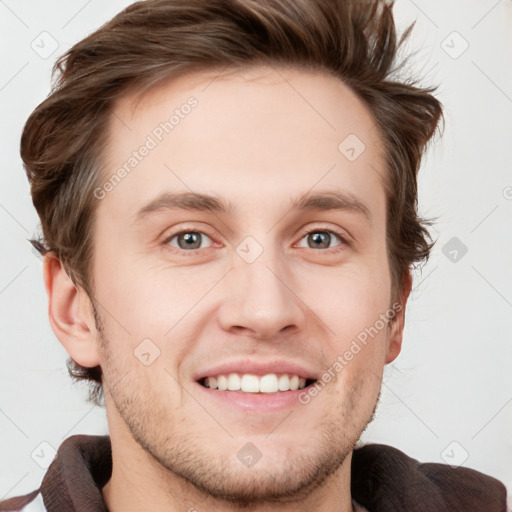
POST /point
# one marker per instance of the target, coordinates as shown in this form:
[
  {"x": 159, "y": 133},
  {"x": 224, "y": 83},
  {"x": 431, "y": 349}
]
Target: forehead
[{"x": 261, "y": 132}]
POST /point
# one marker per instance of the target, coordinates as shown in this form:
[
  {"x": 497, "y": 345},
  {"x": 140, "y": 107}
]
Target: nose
[{"x": 260, "y": 299}]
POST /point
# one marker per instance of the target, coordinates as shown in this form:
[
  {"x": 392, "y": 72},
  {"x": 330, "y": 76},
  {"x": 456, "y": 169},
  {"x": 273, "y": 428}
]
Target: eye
[
  {"x": 322, "y": 238},
  {"x": 191, "y": 241},
  {"x": 187, "y": 240}
]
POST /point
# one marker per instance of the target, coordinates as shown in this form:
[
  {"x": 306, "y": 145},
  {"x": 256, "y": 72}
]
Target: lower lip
[{"x": 255, "y": 401}]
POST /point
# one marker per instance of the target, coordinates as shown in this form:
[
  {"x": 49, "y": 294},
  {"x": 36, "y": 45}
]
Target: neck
[
  {"x": 138, "y": 482},
  {"x": 128, "y": 494}
]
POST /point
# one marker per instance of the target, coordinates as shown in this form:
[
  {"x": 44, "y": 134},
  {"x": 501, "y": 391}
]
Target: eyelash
[
  {"x": 336, "y": 249},
  {"x": 342, "y": 238}
]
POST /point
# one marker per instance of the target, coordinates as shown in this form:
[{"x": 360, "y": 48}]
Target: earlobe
[
  {"x": 70, "y": 313},
  {"x": 397, "y": 323}
]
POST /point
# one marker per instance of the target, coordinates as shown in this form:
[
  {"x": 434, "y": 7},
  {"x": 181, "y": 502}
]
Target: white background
[{"x": 452, "y": 381}]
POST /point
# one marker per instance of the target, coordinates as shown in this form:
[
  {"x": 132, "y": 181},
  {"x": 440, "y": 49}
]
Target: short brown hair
[{"x": 154, "y": 40}]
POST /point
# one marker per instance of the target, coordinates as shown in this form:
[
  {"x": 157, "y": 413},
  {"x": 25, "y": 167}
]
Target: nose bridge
[{"x": 260, "y": 296}]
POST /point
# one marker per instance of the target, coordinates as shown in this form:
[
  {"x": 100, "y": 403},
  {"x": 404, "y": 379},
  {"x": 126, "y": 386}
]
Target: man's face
[{"x": 248, "y": 291}]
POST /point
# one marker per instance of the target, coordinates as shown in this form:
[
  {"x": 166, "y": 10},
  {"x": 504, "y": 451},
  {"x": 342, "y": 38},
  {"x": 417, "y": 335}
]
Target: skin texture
[{"x": 257, "y": 138}]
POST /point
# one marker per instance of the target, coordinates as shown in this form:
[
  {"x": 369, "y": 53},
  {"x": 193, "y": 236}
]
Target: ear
[
  {"x": 70, "y": 313},
  {"x": 397, "y": 323}
]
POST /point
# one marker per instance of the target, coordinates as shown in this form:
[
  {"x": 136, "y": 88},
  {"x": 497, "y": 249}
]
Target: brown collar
[{"x": 383, "y": 479}]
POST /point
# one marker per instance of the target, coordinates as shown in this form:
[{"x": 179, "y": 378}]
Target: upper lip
[{"x": 257, "y": 367}]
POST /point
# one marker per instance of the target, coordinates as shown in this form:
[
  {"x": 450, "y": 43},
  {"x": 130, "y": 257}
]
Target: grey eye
[
  {"x": 320, "y": 239},
  {"x": 188, "y": 240}
]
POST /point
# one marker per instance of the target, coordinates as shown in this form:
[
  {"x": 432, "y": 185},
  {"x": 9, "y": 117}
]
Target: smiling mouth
[{"x": 250, "y": 383}]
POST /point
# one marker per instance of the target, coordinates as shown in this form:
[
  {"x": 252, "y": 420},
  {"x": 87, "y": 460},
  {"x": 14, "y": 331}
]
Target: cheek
[
  {"x": 351, "y": 307},
  {"x": 358, "y": 346},
  {"x": 138, "y": 370},
  {"x": 136, "y": 299},
  {"x": 151, "y": 317}
]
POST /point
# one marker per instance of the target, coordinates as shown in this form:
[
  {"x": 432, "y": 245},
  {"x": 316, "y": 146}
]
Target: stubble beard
[{"x": 213, "y": 474}]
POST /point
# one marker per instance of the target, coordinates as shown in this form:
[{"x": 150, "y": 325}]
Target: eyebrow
[{"x": 193, "y": 201}]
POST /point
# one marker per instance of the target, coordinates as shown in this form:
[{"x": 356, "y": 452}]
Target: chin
[
  {"x": 252, "y": 470},
  {"x": 277, "y": 480}
]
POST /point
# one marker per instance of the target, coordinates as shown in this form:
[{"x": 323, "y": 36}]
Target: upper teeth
[{"x": 249, "y": 383}]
